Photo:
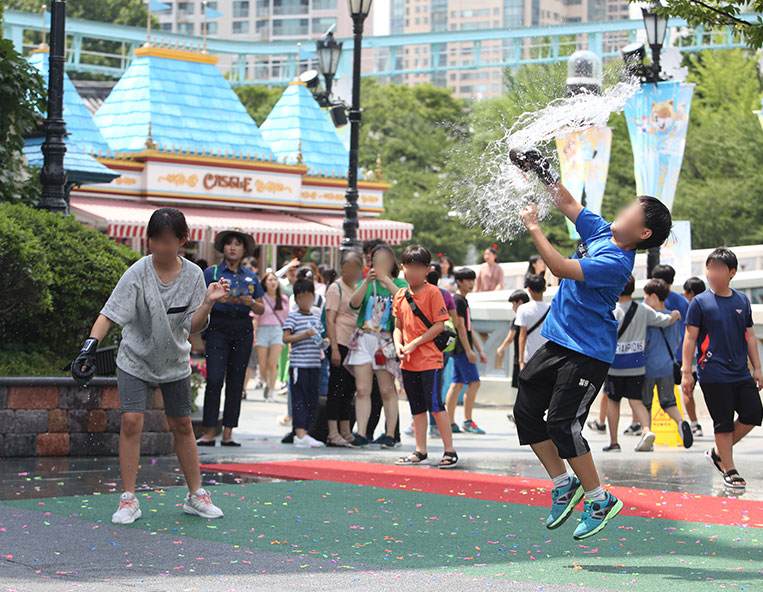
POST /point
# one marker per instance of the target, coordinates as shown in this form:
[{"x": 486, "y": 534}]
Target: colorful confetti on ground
[{"x": 364, "y": 528}]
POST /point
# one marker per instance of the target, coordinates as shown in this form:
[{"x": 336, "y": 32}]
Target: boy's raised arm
[
  {"x": 533, "y": 160},
  {"x": 559, "y": 265}
]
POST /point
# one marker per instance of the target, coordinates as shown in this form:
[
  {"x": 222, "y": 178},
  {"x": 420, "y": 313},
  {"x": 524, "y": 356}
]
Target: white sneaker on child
[
  {"x": 129, "y": 509},
  {"x": 200, "y": 504},
  {"x": 646, "y": 444},
  {"x": 307, "y": 442}
]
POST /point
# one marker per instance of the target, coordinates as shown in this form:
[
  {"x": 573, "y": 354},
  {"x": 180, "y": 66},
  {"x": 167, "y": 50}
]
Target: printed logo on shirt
[
  {"x": 584, "y": 383},
  {"x": 739, "y": 311},
  {"x": 443, "y": 310},
  {"x": 630, "y": 347},
  {"x": 582, "y": 251}
]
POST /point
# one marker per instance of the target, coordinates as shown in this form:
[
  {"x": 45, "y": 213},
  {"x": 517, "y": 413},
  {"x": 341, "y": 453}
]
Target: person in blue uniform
[{"x": 230, "y": 335}]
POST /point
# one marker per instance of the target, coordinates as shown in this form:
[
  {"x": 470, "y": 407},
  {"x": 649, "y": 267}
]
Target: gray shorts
[
  {"x": 665, "y": 392},
  {"x": 136, "y": 395}
]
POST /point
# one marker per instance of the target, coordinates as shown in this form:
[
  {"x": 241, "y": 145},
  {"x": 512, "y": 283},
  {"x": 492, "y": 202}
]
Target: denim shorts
[
  {"x": 269, "y": 335},
  {"x": 136, "y": 395}
]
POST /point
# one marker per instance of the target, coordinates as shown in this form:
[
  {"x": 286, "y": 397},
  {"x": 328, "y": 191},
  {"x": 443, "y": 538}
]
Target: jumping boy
[
  {"x": 566, "y": 373},
  {"x": 627, "y": 373},
  {"x": 465, "y": 370},
  {"x": 158, "y": 302},
  {"x": 693, "y": 287},
  {"x": 719, "y": 324},
  {"x": 420, "y": 358}
]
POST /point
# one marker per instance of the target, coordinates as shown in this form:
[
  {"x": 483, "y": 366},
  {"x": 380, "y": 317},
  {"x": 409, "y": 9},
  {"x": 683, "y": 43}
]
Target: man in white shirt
[{"x": 530, "y": 317}]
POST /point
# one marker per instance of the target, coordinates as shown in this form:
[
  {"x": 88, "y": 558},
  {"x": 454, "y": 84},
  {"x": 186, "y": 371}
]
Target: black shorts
[
  {"x": 424, "y": 390},
  {"x": 628, "y": 387},
  {"x": 723, "y": 399},
  {"x": 564, "y": 383}
]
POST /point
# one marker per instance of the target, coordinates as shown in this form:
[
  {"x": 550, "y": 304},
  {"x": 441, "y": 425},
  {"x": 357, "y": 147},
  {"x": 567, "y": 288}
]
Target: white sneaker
[
  {"x": 307, "y": 442},
  {"x": 646, "y": 444},
  {"x": 129, "y": 509},
  {"x": 200, "y": 504}
]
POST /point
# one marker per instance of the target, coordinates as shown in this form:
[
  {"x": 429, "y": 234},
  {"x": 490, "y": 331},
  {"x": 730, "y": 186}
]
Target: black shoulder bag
[
  {"x": 677, "y": 375},
  {"x": 627, "y": 320},
  {"x": 444, "y": 339},
  {"x": 540, "y": 321}
]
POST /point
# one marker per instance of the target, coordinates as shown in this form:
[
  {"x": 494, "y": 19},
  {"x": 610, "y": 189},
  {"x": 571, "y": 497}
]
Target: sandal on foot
[
  {"x": 448, "y": 460},
  {"x": 337, "y": 441},
  {"x": 414, "y": 458},
  {"x": 715, "y": 460},
  {"x": 733, "y": 480}
]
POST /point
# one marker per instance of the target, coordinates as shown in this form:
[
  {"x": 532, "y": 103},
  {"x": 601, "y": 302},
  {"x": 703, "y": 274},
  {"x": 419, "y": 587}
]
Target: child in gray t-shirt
[{"x": 159, "y": 302}]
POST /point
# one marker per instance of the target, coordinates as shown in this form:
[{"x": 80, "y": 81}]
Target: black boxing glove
[
  {"x": 533, "y": 160},
  {"x": 83, "y": 367}
]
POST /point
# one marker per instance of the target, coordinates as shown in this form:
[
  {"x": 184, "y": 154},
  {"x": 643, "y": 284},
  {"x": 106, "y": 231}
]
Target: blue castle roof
[
  {"x": 298, "y": 117},
  {"x": 188, "y": 103},
  {"x": 80, "y": 127},
  {"x": 81, "y": 167}
]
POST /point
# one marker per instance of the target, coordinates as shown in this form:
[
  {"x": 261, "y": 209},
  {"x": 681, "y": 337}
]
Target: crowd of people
[{"x": 382, "y": 326}]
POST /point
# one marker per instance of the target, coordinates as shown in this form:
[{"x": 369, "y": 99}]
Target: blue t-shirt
[
  {"x": 658, "y": 360},
  {"x": 243, "y": 282},
  {"x": 679, "y": 303},
  {"x": 722, "y": 339},
  {"x": 581, "y": 317},
  {"x": 305, "y": 353}
]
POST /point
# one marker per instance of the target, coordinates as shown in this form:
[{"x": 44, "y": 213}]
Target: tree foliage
[{"x": 258, "y": 100}]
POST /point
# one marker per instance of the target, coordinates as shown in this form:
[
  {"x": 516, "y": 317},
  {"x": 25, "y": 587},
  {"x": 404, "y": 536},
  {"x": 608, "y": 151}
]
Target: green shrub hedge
[{"x": 55, "y": 276}]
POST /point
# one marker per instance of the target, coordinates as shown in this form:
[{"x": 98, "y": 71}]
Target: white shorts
[{"x": 367, "y": 345}]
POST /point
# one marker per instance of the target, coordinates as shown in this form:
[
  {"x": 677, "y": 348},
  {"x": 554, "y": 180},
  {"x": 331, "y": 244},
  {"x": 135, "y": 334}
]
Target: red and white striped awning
[
  {"x": 125, "y": 219},
  {"x": 393, "y": 232}
]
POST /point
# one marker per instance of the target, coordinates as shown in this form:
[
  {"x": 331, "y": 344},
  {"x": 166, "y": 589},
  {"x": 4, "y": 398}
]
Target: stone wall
[{"x": 49, "y": 417}]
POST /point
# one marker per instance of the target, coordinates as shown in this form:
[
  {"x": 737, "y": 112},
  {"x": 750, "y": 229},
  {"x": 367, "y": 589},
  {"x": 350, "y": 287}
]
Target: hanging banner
[
  {"x": 658, "y": 117},
  {"x": 676, "y": 251},
  {"x": 760, "y": 113},
  {"x": 584, "y": 164}
]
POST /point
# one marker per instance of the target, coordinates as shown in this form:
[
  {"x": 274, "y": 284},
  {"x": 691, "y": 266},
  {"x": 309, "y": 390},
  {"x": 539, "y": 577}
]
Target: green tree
[
  {"x": 714, "y": 13},
  {"x": 258, "y": 100},
  {"x": 22, "y": 98}
]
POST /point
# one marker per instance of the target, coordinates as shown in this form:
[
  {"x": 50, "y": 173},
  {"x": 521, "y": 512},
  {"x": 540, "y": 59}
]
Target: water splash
[{"x": 497, "y": 191}]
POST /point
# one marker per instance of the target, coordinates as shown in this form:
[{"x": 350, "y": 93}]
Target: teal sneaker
[
  {"x": 596, "y": 515},
  {"x": 564, "y": 501},
  {"x": 472, "y": 428}
]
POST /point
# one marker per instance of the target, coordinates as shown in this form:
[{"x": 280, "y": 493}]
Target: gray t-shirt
[
  {"x": 156, "y": 320},
  {"x": 630, "y": 359}
]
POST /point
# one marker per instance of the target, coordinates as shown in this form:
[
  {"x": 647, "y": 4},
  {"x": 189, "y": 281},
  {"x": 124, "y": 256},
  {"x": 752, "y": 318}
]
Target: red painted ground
[{"x": 647, "y": 503}]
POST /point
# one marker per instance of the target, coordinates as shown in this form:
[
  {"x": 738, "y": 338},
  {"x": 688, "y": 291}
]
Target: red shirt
[{"x": 430, "y": 302}]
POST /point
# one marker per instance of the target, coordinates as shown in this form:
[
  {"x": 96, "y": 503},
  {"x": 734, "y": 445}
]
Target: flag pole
[
  {"x": 204, "y": 8},
  {"x": 148, "y": 24}
]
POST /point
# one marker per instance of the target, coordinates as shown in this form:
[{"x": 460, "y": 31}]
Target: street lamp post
[
  {"x": 359, "y": 11},
  {"x": 656, "y": 27},
  {"x": 53, "y": 173},
  {"x": 329, "y": 51}
]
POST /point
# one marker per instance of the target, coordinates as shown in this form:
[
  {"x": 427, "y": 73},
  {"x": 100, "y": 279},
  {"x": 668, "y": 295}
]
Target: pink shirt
[
  {"x": 272, "y": 317},
  {"x": 489, "y": 278},
  {"x": 346, "y": 318}
]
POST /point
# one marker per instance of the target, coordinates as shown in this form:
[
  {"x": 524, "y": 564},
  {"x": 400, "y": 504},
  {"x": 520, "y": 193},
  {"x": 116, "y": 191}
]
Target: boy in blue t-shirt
[
  {"x": 719, "y": 324},
  {"x": 567, "y": 372}
]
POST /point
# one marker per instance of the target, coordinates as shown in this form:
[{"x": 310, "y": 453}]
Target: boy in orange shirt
[{"x": 420, "y": 359}]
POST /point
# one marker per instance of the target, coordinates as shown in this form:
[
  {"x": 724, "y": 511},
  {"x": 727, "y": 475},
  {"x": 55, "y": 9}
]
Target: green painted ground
[{"x": 391, "y": 530}]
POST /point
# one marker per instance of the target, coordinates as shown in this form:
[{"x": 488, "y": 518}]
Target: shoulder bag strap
[
  {"x": 670, "y": 351},
  {"x": 627, "y": 320},
  {"x": 540, "y": 321},
  {"x": 272, "y": 308},
  {"x": 416, "y": 310}
]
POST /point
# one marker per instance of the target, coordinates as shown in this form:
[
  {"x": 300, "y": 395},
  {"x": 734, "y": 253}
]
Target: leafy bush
[{"x": 67, "y": 271}]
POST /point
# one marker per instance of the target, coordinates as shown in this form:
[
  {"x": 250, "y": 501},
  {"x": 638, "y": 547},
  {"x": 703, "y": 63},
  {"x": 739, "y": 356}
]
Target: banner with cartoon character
[
  {"x": 584, "y": 164},
  {"x": 658, "y": 118}
]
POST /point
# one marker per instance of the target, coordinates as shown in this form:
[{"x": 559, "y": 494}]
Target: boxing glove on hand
[
  {"x": 533, "y": 160},
  {"x": 83, "y": 367}
]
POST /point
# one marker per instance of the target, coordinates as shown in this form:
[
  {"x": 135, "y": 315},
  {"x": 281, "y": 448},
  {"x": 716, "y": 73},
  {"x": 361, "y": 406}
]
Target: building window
[
  {"x": 211, "y": 28},
  {"x": 263, "y": 7},
  {"x": 240, "y": 27},
  {"x": 167, "y": 26},
  {"x": 185, "y": 8},
  {"x": 291, "y": 7},
  {"x": 241, "y": 9},
  {"x": 290, "y": 27},
  {"x": 325, "y": 5},
  {"x": 320, "y": 25},
  {"x": 185, "y": 28},
  {"x": 262, "y": 28}
]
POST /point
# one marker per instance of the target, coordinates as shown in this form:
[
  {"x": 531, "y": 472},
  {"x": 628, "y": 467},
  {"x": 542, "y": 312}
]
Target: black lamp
[
  {"x": 359, "y": 8},
  {"x": 329, "y": 51},
  {"x": 656, "y": 26}
]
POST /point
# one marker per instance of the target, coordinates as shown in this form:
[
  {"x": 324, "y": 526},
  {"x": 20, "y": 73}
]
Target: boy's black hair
[
  {"x": 725, "y": 256},
  {"x": 519, "y": 296},
  {"x": 370, "y": 245},
  {"x": 694, "y": 285},
  {"x": 303, "y": 286},
  {"x": 657, "y": 218},
  {"x": 328, "y": 274},
  {"x": 382, "y": 246},
  {"x": 167, "y": 219},
  {"x": 202, "y": 263},
  {"x": 416, "y": 254},
  {"x": 629, "y": 288},
  {"x": 658, "y": 287},
  {"x": 464, "y": 273},
  {"x": 665, "y": 273},
  {"x": 535, "y": 283},
  {"x": 434, "y": 274},
  {"x": 305, "y": 273}
]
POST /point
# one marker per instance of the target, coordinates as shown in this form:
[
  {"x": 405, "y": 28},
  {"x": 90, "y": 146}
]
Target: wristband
[{"x": 90, "y": 346}]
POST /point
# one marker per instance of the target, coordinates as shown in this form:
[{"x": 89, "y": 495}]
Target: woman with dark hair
[
  {"x": 447, "y": 279},
  {"x": 270, "y": 331},
  {"x": 490, "y": 275},
  {"x": 372, "y": 352},
  {"x": 328, "y": 274},
  {"x": 536, "y": 266},
  {"x": 159, "y": 301}
]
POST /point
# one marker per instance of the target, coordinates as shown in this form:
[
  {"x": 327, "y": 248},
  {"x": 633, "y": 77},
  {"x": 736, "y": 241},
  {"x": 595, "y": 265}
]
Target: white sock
[
  {"x": 596, "y": 495},
  {"x": 694, "y": 424},
  {"x": 127, "y": 495},
  {"x": 562, "y": 480}
]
